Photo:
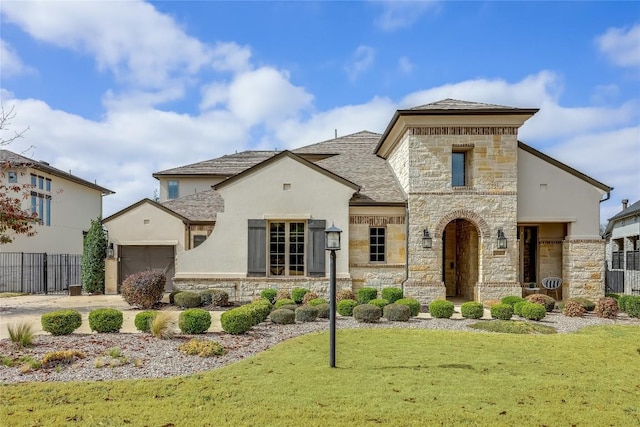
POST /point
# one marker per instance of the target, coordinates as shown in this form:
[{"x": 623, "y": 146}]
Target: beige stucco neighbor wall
[
  {"x": 73, "y": 206},
  {"x": 379, "y": 275},
  {"x": 187, "y": 185},
  {"x": 309, "y": 194},
  {"x": 583, "y": 269}
]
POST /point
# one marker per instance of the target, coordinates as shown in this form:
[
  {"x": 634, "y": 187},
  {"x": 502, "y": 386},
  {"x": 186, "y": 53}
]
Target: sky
[{"x": 114, "y": 91}]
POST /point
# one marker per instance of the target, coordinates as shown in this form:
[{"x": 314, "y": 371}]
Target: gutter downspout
[{"x": 606, "y": 198}]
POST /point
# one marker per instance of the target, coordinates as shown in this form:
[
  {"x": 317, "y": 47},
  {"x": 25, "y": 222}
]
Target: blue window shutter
[
  {"x": 315, "y": 248},
  {"x": 257, "y": 248}
]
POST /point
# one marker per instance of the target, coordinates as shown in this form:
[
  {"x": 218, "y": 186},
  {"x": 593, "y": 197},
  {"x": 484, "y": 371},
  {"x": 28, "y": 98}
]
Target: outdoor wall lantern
[
  {"x": 110, "y": 250},
  {"x": 332, "y": 244},
  {"x": 502, "y": 240},
  {"x": 427, "y": 241}
]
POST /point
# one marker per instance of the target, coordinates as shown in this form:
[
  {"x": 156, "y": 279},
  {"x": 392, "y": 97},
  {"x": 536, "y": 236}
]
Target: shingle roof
[
  {"x": 201, "y": 206},
  {"x": 227, "y": 165},
  {"x": 16, "y": 160},
  {"x": 631, "y": 210},
  {"x": 456, "y": 104}
]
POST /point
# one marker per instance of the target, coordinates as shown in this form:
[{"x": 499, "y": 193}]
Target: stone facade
[{"x": 583, "y": 269}]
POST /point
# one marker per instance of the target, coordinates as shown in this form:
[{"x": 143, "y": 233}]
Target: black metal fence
[
  {"x": 615, "y": 281},
  {"x": 39, "y": 273}
]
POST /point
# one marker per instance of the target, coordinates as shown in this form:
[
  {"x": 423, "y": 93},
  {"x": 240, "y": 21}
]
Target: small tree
[{"x": 93, "y": 255}]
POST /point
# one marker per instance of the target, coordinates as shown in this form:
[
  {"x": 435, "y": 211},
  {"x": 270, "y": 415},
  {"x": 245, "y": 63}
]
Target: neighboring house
[
  {"x": 623, "y": 250},
  {"x": 65, "y": 205},
  {"x": 452, "y": 171}
]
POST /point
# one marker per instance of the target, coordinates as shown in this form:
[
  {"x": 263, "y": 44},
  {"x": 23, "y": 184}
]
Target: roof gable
[
  {"x": 140, "y": 203},
  {"x": 227, "y": 165}
]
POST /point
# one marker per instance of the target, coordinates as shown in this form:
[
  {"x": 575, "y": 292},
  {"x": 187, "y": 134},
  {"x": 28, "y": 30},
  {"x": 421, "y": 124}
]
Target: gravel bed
[{"x": 147, "y": 357}]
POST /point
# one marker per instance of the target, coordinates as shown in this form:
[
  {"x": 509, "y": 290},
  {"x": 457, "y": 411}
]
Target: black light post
[{"x": 332, "y": 244}]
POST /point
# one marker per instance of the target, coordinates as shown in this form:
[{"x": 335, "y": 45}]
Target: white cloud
[
  {"x": 230, "y": 57},
  {"x": 10, "y": 62},
  {"x": 361, "y": 60},
  {"x": 130, "y": 39},
  {"x": 402, "y": 14},
  {"x": 621, "y": 45},
  {"x": 405, "y": 65},
  {"x": 603, "y": 94}
]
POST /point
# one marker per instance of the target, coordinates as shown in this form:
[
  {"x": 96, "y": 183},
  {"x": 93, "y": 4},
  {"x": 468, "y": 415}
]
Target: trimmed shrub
[
  {"x": 344, "y": 294},
  {"x": 198, "y": 347},
  {"x": 573, "y": 309},
  {"x": 94, "y": 251},
  {"x": 397, "y": 312},
  {"x": 511, "y": 300},
  {"x": 317, "y": 301},
  {"x": 614, "y": 296},
  {"x": 488, "y": 303},
  {"x": 622, "y": 302},
  {"x": 297, "y": 294},
  {"x": 143, "y": 289},
  {"x": 345, "y": 307},
  {"x": 143, "y": 320},
  {"x": 61, "y": 322},
  {"x": 308, "y": 297},
  {"x": 105, "y": 320},
  {"x": 285, "y": 301},
  {"x": 380, "y": 302},
  {"x": 306, "y": 313},
  {"x": 502, "y": 311},
  {"x": 517, "y": 307},
  {"x": 282, "y": 316},
  {"x": 367, "y": 313},
  {"x": 633, "y": 306},
  {"x": 392, "y": 294},
  {"x": 236, "y": 321},
  {"x": 323, "y": 311},
  {"x": 172, "y": 295},
  {"x": 441, "y": 309},
  {"x": 586, "y": 303},
  {"x": 548, "y": 302},
  {"x": 263, "y": 309},
  {"x": 216, "y": 297},
  {"x": 292, "y": 307},
  {"x": 194, "y": 321},
  {"x": 367, "y": 294},
  {"x": 533, "y": 311},
  {"x": 472, "y": 310},
  {"x": 269, "y": 294},
  {"x": 205, "y": 298},
  {"x": 188, "y": 299},
  {"x": 414, "y": 305},
  {"x": 607, "y": 308},
  {"x": 283, "y": 294}
]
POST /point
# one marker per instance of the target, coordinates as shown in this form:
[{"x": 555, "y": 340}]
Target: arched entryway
[{"x": 460, "y": 254}]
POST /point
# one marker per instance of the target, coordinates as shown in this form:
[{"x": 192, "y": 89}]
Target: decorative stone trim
[
  {"x": 464, "y": 191},
  {"x": 550, "y": 242},
  {"x": 499, "y": 284},
  {"x": 592, "y": 241},
  {"x": 463, "y": 130},
  {"x": 376, "y": 220},
  {"x": 464, "y": 145},
  {"x": 372, "y": 265},
  {"x": 471, "y": 216}
]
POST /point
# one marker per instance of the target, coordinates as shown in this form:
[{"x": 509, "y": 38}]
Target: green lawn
[{"x": 398, "y": 377}]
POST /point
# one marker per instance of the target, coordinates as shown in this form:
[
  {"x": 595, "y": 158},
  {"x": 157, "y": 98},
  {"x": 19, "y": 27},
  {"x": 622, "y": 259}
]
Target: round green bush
[
  {"x": 172, "y": 296},
  {"x": 586, "y": 303},
  {"x": 143, "y": 289},
  {"x": 414, "y": 305},
  {"x": 105, "y": 320},
  {"x": 285, "y": 301},
  {"x": 61, "y": 322},
  {"x": 380, "y": 302},
  {"x": 262, "y": 307},
  {"x": 548, "y": 302},
  {"x": 517, "y": 307},
  {"x": 345, "y": 307},
  {"x": 367, "y": 294},
  {"x": 397, "y": 312},
  {"x": 472, "y": 310},
  {"x": 188, "y": 299},
  {"x": 283, "y": 316},
  {"x": 194, "y": 321},
  {"x": 323, "y": 311},
  {"x": 292, "y": 307},
  {"x": 306, "y": 313},
  {"x": 269, "y": 294},
  {"x": 143, "y": 320},
  {"x": 441, "y": 309},
  {"x": 614, "y": 296},
  {"x": 317, "y": 301},
  {"x": 511, "y": 300},
  {"x": 502, "y": 311},
  {"x": 533, "y": 311},
  {"x": 367, "y": 313},
  {"x": 392, "y": 294},
  {"x": 236, "y": 321},
  {"x": 622, "y": 302},
  {"x": 633, "y": 306},
  {"x": 297, "y": 294}
]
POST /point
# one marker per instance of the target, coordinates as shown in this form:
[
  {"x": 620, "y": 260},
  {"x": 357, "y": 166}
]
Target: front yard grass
[{"x": 384, "y": 377}]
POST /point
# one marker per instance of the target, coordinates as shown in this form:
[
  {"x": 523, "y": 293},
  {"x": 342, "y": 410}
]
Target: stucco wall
[{"x": 187, "y": 185}]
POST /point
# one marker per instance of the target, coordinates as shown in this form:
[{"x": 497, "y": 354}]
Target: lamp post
[{"x": 332, "y": 244}]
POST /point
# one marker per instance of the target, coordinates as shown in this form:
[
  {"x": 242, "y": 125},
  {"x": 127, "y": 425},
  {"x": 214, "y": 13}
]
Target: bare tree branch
[{"x": 5, "y": 122}]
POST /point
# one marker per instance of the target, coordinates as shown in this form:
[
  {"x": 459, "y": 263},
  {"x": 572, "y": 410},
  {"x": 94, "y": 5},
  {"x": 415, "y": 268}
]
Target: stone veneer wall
[
  {"x": 249, "y": 288},
  {"x": 583, "y": 269}
]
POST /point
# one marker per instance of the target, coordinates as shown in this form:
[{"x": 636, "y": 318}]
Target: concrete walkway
[{"x": 29, "y": 308}]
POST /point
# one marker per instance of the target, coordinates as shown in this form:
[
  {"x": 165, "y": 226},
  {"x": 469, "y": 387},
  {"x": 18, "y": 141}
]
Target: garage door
[{"x": 142, "y": 258}]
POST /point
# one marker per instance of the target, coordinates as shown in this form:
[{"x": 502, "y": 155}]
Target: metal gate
[
  {"x": 39, "y": 273},
  {"x": 134, "y": 259}
]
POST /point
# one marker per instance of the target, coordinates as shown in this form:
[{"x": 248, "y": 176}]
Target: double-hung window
[{"x": 377, "y": 244}]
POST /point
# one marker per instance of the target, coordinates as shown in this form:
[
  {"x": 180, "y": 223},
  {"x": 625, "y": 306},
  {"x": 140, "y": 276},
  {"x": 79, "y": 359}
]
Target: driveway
[{"x": 29, "y": 308}]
